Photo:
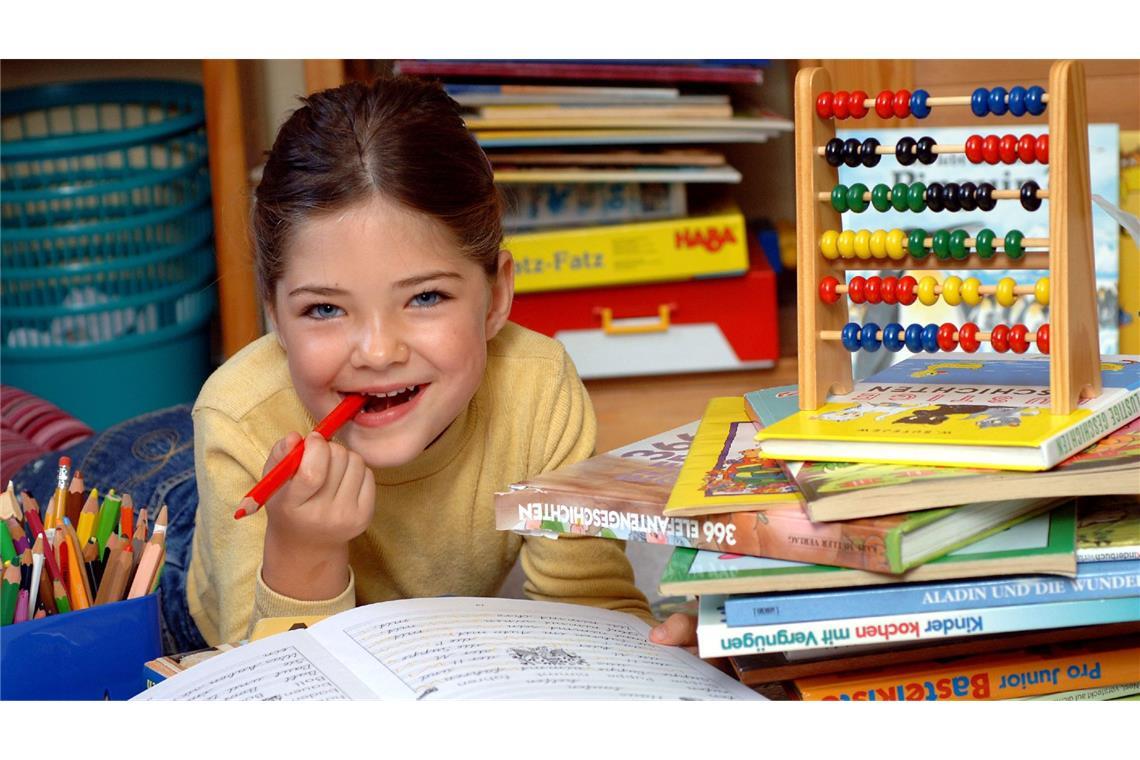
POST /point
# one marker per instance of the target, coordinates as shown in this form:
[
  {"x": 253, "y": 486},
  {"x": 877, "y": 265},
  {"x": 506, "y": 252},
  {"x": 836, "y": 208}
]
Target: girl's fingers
[
  {"x": 279, "y": 450},
  {"x": 350, "y": 490},
  {"x": 678, "y": 629},
  {"x": 334, "y": 478},
  {"x": 313, "y": 471}
]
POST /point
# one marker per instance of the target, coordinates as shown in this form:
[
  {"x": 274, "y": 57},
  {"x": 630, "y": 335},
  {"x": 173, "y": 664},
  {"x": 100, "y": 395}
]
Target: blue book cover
[{"x": 1097, "y": 580}]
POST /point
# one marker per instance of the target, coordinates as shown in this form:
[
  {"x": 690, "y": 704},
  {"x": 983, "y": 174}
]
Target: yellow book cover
[
  {"x": 672, "y": 249},
  {"x": 1129, "y": 272},
  {"x": 986, "y": 412},
  {"x": 724, "y": 471}
]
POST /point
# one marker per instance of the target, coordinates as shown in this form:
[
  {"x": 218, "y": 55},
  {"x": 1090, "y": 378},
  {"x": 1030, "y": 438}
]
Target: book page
[
  {"x": 472, "y": 648},
  {"x": 286, "y": 666}
]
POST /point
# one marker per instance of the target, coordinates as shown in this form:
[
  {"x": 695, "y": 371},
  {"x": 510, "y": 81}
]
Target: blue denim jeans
[{"x": 151, "y": 457}]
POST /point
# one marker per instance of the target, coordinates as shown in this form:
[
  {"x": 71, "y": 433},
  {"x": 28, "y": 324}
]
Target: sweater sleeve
[
  {"x": 227, "y": 595},
  {"x": 577, "y": 569}
]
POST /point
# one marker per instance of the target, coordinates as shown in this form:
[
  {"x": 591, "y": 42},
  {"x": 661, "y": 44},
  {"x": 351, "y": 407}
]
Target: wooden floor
[{"x": 630, "y": 409}]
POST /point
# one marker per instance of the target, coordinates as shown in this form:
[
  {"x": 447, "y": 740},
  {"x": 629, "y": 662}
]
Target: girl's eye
[
  {"x": 428, "y": 298},
  {"x": 324, "y": 311}
]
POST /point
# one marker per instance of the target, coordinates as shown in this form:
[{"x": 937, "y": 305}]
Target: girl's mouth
[{"x": 381, "y": 402}]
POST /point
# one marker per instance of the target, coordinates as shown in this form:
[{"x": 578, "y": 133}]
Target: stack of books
[
  {"x": 618, "y": 202},
  {"x": 902, "y": 579}
]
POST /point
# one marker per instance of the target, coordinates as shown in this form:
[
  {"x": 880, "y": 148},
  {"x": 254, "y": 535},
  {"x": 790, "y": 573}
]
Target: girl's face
[{"x": 379, "y": 300}]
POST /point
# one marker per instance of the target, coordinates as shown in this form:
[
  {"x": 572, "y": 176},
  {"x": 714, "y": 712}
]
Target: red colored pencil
[{"x": 287, "y": 467}]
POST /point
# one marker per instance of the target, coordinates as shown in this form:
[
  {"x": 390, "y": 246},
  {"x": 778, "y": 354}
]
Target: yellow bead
[
  {"x": 879, "y": 244},
  {"x": 846, "y": 244},
  {"x": 863, "y": 244},
  {"x": 827, "y": 243},
  {"x": 1041, "y": 291},
  {"x": 951, "y": 290},
  {"x": 926, "y": 292},
  {"x": 896, "y": 245},
  {"x": 971, "y": 291},
  {"x": 1004, "y": 294}
]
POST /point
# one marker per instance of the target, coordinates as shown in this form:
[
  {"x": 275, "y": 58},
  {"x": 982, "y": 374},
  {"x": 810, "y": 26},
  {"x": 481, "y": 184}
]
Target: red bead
[
  {"x": 885, "y": 104},
  {"x": 1007, "y": 149},
  {"x": 905, "y": 290},
  {"x": 999, "y": 338},
  {"x": 1027, "y": 149},
  {"x": 902, "y": 104},
  {"x": 1043, "y": 338},
  {"x": 827, "y": 292},
  {"x": 890, "y": 289},
  {"x": 1018, "y": 339},
  {"x": 855, "y": 289},
  {"x": 1041, "y": 148},
  {"x": 991, "y": 146},
  {"x": 839, "y": 106},
  {"x": 968, "y": 337},
  {"x": 946, "y": 337},
  {"x": 974, "y": 149},
  {"x": 874, "y": 290},
  {"x": 856, "y": 104},
  {"x": 824, "y": 105}
]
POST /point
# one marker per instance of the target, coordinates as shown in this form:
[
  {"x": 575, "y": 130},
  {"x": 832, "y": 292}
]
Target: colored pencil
[
  {"x": 138, "y": 540},
  {"x": 63, "y": 554},
  {"x": 159, "y": 534},
  {"x": 21, "y": 606},
  {"x": 9, "y": 593},
  {"x": 7, "y": 545},
  {"x": 80, "y": 585},
  {"x": 108, "y": 518},
  {"x": 115, "y": 577},
  {"x": 149, "y": 566},
  {"x": 85, "y": 528},
  {"x": 32, "y": 514},
  {"x": 61, "y": 603},
  {"x": 75, "y": 497},
  {"x": 91, "y": 558},
  {"x": 9, "y": 505},
  {"x": 287, "y": 467},
  {"x": 39, "y": 577},
  {"x": 127, "y": 516},
  {"x": 19, "y": 537},
  {"x": 57, "y": 507}
]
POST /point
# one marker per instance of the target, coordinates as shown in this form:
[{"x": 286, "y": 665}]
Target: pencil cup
[{"x": 95, "y": 653}]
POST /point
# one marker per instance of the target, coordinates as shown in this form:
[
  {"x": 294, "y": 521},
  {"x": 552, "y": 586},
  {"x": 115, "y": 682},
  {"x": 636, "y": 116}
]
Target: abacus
[{"x": 824, "y": 252}]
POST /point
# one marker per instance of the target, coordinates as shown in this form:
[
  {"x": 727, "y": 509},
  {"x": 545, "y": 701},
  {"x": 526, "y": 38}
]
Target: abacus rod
[
  {"x": 999, "y": 195},
  {"x": 984, "y": 336},
  {"x": 944, "y": 100},
  {"x": 888, "y": 150},
  {"x": 986, "y": 290}
]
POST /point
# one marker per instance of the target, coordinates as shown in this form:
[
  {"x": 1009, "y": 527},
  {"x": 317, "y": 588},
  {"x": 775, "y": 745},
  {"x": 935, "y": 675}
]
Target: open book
[{"x": 458, "y": 648}]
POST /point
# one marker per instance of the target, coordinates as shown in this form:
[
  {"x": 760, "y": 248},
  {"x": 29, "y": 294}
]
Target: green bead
[
  {"x": 916, "y": 244},
  {"x": 855, "y": 200},
  {"x": 839, "y": 198},
  {"x": 958, "y": 244},
  {"x": 880, "y": 197},
  {"x": 916, "y": 197},
  {"x": 898, "y": 196},
  {"x": 941, "y": 244},
  {"x": 1013, "y": 246},
  {"x": 984, "y": 243}
]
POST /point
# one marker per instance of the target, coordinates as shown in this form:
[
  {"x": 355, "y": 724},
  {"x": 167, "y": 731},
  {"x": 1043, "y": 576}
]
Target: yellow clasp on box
[{"x": 635, "y": 325}]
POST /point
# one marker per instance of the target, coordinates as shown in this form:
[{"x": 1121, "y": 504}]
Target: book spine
[
  {"x": 964, "y": 681},
  {"x": 675, "y": 249},
  {"x": 784, "y": 534},
  {"x": 1108, "y": 554},
  {"x": 719, "y": 640},
  {"x": 1098, "y": 694},
  {"x": 1094, "y": 427},
  {"x": 1099, "y": 581}
]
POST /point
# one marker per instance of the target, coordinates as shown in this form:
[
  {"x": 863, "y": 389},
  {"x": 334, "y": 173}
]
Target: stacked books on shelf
[
  {"x": 617, "y": 204},
  {"x": 888, "y": 580}
]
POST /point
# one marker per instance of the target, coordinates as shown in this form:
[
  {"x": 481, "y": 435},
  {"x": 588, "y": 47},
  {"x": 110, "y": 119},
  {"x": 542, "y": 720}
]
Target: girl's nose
[{"x": 377, "y": 347}]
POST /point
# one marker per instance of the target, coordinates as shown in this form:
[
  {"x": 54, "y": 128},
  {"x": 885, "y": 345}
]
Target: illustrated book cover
[{"x": 989, "y": 413}]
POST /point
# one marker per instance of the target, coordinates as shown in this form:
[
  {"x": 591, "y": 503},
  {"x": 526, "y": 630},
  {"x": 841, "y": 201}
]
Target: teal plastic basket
[{"x": 106, "y": 246}]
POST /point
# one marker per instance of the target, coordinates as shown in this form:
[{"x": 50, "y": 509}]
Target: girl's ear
[
  {"x": 271, "y": 321},
  {"x": 502, "y": 294}
]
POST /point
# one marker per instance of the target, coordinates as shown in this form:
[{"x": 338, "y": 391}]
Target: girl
[{"x": 378, "y": 256}]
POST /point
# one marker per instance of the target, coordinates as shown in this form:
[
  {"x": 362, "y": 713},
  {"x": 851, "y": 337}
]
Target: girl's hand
[
  {"x": 679, "y": 630},
  {"x": 312, "y": 518}
]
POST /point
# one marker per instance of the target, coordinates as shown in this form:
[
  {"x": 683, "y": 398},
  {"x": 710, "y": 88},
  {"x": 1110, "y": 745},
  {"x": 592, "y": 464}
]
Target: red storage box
[{"x": 707, "y": 325}]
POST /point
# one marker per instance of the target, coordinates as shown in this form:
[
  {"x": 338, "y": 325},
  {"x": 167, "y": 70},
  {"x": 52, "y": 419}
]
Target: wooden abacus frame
[{"x": 1074, "y": 371}]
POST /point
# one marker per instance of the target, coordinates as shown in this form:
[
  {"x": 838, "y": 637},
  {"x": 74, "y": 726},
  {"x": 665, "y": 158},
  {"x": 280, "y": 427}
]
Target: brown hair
[{"x": 402, "y": 138}]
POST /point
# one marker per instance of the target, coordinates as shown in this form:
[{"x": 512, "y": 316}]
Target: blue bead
[
  {"x": 1017, "y": 100},
  {"x": 850, "y": 337},
  {"x": 980, "y": 102},
  {"x": 893, "y": 337},
  {"x": 930, "y": 338},
  {"x": 913, "y": 337},
  {"x": 1034, "y": 101},
  {"x": 997, "y": 101},
  {"x": 918, "y": 107},
  {"x": 871, "y": 337}
]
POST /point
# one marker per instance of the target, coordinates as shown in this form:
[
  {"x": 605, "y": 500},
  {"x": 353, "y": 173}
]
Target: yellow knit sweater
[{"x": 433, "y": 532}]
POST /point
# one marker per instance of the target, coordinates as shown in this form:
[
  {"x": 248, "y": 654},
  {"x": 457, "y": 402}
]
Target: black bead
[
  {"x": 833, "y": 152},
  {"x": 967, "y": 196},
  {"x": 904, "y": 151},
  {"x": 986, "y": 201},
  {"x": 951, "y": 197},
  {"x": 870, "y": 157},
  {"x": 934, "y": 197},
  {"x": 925, "y": 150},
  {"x": 1029, "y": 199},
  {"x": 851, "y": 151}
]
